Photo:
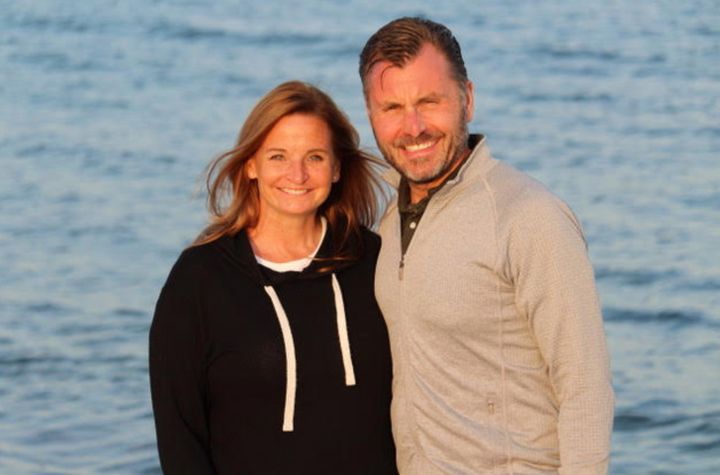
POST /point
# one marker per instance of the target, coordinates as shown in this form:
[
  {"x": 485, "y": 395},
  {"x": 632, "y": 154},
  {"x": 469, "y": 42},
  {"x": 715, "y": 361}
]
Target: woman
[{"x": 268, "y": 353}]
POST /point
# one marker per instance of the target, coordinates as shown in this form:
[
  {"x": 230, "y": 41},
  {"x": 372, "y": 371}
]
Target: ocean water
[{"x": 110, "y": 110}]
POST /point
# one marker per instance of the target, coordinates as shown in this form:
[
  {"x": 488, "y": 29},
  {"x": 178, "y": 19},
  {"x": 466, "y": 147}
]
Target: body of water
[{"x": 110, "y": 110}]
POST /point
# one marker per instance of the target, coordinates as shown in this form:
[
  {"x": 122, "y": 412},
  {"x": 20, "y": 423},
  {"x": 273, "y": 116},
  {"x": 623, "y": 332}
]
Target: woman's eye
[
  {"x": 316, "y": 158},
  {"x": 276, "y": 156}
]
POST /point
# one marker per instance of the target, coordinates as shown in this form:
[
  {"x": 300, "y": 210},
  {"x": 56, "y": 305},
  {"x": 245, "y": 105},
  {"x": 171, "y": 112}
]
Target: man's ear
[{"x": 469, "y": 101}]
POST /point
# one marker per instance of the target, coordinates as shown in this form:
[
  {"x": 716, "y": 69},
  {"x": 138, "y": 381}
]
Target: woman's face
[{"x": 295, "y": 167}]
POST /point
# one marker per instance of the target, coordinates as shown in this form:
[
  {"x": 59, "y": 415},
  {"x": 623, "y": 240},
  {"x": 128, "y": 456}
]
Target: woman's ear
[
  {"x": 250, "y": 168},
  {"x": 336, "y": 172}
]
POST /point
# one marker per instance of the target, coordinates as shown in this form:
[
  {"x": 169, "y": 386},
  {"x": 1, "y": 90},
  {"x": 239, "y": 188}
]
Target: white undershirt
[{"x": 298, "y": 264}]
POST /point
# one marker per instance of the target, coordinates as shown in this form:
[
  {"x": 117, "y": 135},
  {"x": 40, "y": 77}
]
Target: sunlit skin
[
  {"x": 295, "y": 168},
  {"x": 419, "y": 118}
]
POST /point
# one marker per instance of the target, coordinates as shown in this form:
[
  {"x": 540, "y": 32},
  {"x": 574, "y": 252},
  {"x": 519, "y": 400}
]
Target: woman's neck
[{"x": 286, "y": 240}]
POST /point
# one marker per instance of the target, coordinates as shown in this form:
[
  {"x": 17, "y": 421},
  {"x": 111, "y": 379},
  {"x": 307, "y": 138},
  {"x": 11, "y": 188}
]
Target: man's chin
[
  {"x": 413, "y": 177},
  {"x": 423, "y": 178}
]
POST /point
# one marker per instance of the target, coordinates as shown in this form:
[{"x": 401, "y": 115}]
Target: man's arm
[{"x": 556, "y": 290}]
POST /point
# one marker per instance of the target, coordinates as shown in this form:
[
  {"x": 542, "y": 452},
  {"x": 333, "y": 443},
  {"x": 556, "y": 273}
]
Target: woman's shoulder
[
  {"x": 189, "y": 266},
  {"x": 370, "y": 243},
  {"x": 197, "y": 255},
  {"x": 200, "y": 260},
  {"x": 370, "y": 237}
]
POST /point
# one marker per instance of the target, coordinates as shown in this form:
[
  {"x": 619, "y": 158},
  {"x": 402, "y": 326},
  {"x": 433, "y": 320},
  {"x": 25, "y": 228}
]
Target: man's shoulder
[
  {"x": 513, "y": 188},
  {"x": 523, "y": 202},
  {"x": 389, "y": 219},
  {"x": 504, "y": 176}
]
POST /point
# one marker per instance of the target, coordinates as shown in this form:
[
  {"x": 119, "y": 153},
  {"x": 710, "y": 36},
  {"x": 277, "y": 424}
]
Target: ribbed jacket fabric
[
  {"x": 500, "y": 361},
  {"x": 258, "y": 372}
]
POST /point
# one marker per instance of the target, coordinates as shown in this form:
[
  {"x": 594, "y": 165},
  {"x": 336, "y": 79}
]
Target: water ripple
[
  {"x": 266, "y": 39},
  {"x": 674, "y": 318},
  {"x": 635, "y": 277},
  {"x": 111, "y": 110}
]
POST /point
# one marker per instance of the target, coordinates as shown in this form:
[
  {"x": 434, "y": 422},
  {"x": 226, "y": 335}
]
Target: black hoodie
[{"x": 258, "y": 372}]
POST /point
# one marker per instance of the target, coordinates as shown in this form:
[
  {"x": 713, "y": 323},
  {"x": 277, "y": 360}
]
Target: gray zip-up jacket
[{"x": 499, "y": 355}]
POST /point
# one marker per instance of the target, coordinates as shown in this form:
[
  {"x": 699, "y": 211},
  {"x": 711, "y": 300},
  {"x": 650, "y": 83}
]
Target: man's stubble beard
[{"x": 456, "y": 150}]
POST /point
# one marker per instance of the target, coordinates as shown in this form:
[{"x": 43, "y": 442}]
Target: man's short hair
[{"x": 399, "y": 41}]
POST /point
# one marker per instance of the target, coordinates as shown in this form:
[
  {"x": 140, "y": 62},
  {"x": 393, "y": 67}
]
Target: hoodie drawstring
[
  {"x": 343, "y": 333},
  {"x": 291, "y": 362}
]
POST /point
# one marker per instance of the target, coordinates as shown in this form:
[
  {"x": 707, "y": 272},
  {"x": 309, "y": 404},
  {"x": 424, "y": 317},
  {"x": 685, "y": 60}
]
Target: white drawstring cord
[
  {"x": 343, "y": 333},
  {"x": 291, "y": 362},
  {"x": 291, "y": 365}
]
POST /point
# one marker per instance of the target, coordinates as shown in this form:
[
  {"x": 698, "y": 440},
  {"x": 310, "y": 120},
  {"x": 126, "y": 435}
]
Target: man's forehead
[
  {"x": 379, "y": 73},
  {"x": 428, "y": 62}
]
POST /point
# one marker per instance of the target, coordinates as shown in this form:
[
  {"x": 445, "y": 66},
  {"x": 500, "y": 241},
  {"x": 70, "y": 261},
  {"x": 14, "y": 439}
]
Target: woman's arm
[{"x": 176, "y": 381}]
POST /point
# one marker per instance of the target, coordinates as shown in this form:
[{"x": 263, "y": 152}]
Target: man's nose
[{"x": 413, "y": 123}]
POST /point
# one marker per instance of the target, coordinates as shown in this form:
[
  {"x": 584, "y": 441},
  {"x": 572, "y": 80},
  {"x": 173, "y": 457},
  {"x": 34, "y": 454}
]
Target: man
[{"x": 500, "y": 362}]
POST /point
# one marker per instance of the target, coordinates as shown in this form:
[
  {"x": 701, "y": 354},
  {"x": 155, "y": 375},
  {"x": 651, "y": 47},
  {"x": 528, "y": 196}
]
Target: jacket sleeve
[
  {"x": 176, "y": 379},
  {"x": 555, "y": 289}
]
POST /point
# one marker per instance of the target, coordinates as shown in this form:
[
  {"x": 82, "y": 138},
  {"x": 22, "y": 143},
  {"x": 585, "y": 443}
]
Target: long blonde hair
[{"x": 233, "y": 198}]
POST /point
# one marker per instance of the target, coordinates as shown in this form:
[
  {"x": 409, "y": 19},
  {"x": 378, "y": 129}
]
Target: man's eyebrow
[
  {"x": 431, "y": 96},
  {"x": 388, "y": 103}
]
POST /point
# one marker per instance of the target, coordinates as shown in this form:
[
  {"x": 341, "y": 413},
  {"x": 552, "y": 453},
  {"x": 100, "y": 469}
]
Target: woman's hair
[{"x": 233, "y": 199}]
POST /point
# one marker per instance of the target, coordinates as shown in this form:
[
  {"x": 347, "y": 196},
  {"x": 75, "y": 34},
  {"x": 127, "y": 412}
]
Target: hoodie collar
[{"x": 238, "y": 249}]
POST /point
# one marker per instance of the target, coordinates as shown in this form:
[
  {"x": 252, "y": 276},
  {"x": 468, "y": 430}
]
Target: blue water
[{"x": 109, "y": 111}]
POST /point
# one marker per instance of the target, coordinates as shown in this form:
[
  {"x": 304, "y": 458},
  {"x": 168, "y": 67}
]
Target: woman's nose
[{"x": 297, "y": 171}]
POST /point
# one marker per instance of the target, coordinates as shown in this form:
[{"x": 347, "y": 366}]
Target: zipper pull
[{"x": 400, "y": 268}]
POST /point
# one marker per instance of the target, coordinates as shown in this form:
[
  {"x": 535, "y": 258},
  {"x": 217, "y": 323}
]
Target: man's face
[{"x": 419, "y": 116}]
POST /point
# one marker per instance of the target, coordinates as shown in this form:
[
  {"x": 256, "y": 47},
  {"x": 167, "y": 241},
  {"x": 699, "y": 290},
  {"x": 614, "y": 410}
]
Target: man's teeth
[
  {"x": 418, "y": 147},
  {"x": 292, "y": 191}
]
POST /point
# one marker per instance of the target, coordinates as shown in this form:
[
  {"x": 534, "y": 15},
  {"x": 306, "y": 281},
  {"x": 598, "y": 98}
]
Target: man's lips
[{"x": 419, "y": 146}]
